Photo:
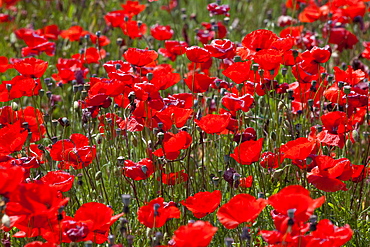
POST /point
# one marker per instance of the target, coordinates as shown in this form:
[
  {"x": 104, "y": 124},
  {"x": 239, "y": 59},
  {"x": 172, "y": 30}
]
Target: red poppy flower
[
  {"x": 40, "y": 244},
  {"x": 335, "y": 125},
  {"x": 4, "y": 64},
  {"x": 350, "y": 76},
  {"x": 37, "y": 44},
  {"x": 161, "y": 32},
  {"x": 238, "y": 72},
  {"x": 173, "y": 115},
  {"x": 49, "y": 32},
  {"x": 174, "y": 178},
  {"x": 248, "y": 152},
  {"x": 90, "y": 55},
  {"x": 342, "y": 38},
  {"x": 115, "y": 18},
  {"x": 320, "y": 55},
  {"x": 157, "y": 212},
  {"x": 366, "y": 52},
  {"x": 198, "y": 83},
  {"x": 173, "y": 143},
  {"x": 140, "y": 57},
  {"x": 270, "y": 160},
  {"x": 163, "y": 77},
  {"x": 12, "y": 138},
  {"x": 284, "y": 232},
  {"x": 268, "y": 59},
  {"x": 203, "y": 203},
  {"x": 31, "y": 67},
  {"x": 19, "y": 86},
  {"x": 140, "y": 170},
  {"x": 197, "y": 54},
  {"x": 36, "y": 206},
  {"x": 233, "y": 103},
  {"x": 73, "y": 33},
  {"x": 298, "y": 149},
  {"x": 33, "y": 117},
  {"x": 258, "y": 40},
  {"x": 241, "y": 208},
  {"x": 330, "y": 234},
  {"x": 216, "y": 9},
  {"x": 197, "y": 234},
  {"x": 133, "y": 8},
  {"x": 221, "y": 49},
  {"x": 92, "y": 222},
  {"x": 10, "y": 179},
  {"x": 61, "y": 180},
  {"x": 133, "y": 29},
  {"x": 297, "y": 198},
  {"x": 212, "y": 123},
  {"x": 246, "y": 182},
  {"x": 328, "y": 173},
  {"x": 74, "y": 152},
  {"x": 173, "y": 49}
]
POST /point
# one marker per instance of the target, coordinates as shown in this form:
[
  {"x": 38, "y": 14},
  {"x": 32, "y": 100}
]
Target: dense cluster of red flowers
[{"x": 142, "y": 85}]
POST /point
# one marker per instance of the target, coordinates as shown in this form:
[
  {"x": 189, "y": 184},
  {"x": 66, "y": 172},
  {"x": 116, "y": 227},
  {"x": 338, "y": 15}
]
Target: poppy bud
[
  {"x": 41, "y": 92},
  {"x": 8, "y": 87},
  {"x": 261, "y": 195},
  {"x": 160, "y": 136},
  {"x": 25, "y": 125},
  {"x": 79, "y": 181},
  {"x": 130, "y": 240},
  {"x": 313, "y": 223},
  {"x": 295, "y": 53},
  {"x": 323, "y": 75},
  {"x": 290, "y": 94},
  {"x": 229, "y": 242},
  {"x": 284, "y": 71},
  {"x": 347, "y": 89},
  {"x": 215, "y": 181},
  {"x": 64, "y": 122},
  {"x": 46, "y": 117},
  {"x": 54, "y": 122},
  {"x": 111, "y": 240},
  {"x": 75, "y": 88},
  {"x": 5, "y": 220},
  {"x": 48, "y": 94},
  {"x": 330, "y": 78},
  {"x": 341, "y": 84},
  {"x": 237, "y": 59},
  {"x": 245, "y": 234},
  {"x": 226, "y": 20},
  {"x": 355, "y": 135},
  {"x": 98, "y": 33},
  {"x": 261, "y": 72},
  {"x": 144, "y": 169},
  {"x": 308, "y": 160},
  {"x": 255, "y": 67},
  {"x": 98, "y": 175},
  {"x": 156, "y": 207},
  {"x": 226, "y": 158},
  {"x": 120, "y": 160},
  {"x": 83, "y": 94},
  {"x": 86, "y": 86},
  {"x": 131, "y": 97},
  {"x": 158, "y": 237},
  {"x": 149, "y": 76},
  {"x": 291, "y": 212},
  {"x": 88, "y": 244},
  {"x": 310, "y": 102},
  {"x": 319, "y": 128}
]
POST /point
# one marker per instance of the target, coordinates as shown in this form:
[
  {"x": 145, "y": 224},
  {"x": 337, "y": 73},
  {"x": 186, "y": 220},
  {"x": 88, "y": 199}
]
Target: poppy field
[{"x": 183, "y": 123}]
